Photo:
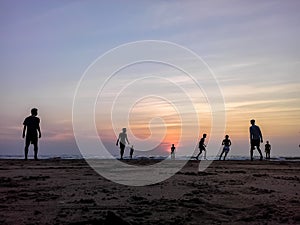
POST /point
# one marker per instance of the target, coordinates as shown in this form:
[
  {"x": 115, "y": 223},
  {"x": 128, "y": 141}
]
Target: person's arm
[
  {"x": 223, "y": 142},
  {"x": 118, "y": 140},
  {"x": 260, "y": 134},
  {"x": 127, "y": 139},
  {"x": 39, "y": 130},
  {"x": 229, "y": 143},
  {"x": 24, "y": 131},
  {"x": 250, "y": 131}
]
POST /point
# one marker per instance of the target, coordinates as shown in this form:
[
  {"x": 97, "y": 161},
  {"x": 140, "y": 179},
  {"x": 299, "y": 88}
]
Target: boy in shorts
[
  {"x": 32, "y": 130},
  {"x": 202, "y": 147},
  {"x": 227, "y": 143},
  {"x": 255, "y": 139}
]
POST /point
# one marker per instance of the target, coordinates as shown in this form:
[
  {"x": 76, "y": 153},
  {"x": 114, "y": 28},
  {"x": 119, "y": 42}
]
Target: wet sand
[{"x": 228, "y": 192}]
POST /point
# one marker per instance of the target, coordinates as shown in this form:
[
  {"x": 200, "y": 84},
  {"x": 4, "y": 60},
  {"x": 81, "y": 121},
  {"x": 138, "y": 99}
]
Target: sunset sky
[{"x": 252, "y": 47}]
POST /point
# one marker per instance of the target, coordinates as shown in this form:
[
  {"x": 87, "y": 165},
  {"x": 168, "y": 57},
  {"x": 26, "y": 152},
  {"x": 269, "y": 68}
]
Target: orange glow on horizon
[{"x": 162, "y": 120}]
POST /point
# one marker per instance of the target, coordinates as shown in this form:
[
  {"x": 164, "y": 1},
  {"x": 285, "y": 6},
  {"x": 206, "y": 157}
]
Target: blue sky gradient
[{"x": 252, "y": 47}]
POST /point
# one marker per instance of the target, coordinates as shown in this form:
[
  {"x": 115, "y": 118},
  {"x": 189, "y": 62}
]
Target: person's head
[
  {"x": 132, "y": 146},
  {"x": 226, "y": 136},
  {"x": 172, "y": 145},
  {"x": 267, "y": 142},
  {"x": 34, "y": 111},
  {"x": 204, "y": 135},
  {"x": 252, "y": 121},
  {"x": 124, "y": 130}
]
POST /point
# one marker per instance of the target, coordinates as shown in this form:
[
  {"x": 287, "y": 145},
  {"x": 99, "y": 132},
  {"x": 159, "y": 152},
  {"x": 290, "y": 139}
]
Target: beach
[{"x": 60, "y": 191}]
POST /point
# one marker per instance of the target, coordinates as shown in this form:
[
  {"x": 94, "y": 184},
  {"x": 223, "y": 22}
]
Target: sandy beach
[{"x": 228, "y": 192}]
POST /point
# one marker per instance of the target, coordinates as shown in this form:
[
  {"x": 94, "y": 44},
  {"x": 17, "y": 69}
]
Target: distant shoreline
[
  {"x": 277, "y": 159},
  {"x": 150, "y": 157}
]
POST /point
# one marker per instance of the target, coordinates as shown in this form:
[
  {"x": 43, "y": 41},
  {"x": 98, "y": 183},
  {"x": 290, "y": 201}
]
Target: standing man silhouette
[
  {"x": 255, "y": 139},
  {"x": 32, "y": 126},
  {"x": 122, "y": 138}
]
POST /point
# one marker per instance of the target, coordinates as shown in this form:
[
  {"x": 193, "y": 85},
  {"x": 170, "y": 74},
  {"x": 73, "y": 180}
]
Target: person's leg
[
  {"x": 200, "y": 152},
  {"x": 35, "y": 149},
  {"x": 122, "y": 152},
  {"x": 251, "y": 153},
  {"x": 221, "y": 155},
  {"x": 122, "y": 147},
  {"x": 251, "y": 149},
  {"x": 27, "y": 143},
  {"x": 259, "y": 151},
  {"x": 225, "y": 155}
]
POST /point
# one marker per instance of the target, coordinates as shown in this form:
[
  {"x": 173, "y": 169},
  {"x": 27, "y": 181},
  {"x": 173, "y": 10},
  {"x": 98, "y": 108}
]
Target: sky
[{"x": 252, "y": 47}]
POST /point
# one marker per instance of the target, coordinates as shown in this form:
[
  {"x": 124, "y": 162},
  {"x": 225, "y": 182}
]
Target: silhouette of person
[
  {"x": 122, "y": 138},
  {"x": 255, "y": 139},
  {"x": 202, "y": 147},
  {"x": 131, "y": 151},
  {"x": 33, "y": 131},
  {"x": 173, "y": 151},
  {"x": 227, "y": 143},
  {"x": 267, "y": 150}
]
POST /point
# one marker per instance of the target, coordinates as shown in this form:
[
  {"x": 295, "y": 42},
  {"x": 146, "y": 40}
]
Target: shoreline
[{"x": 209, "y": 158}]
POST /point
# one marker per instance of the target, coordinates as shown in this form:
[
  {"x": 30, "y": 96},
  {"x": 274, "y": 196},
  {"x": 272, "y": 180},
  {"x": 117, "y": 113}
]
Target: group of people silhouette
[
  {"x": 32, "y": 131},
  {"x": 255, "y": 139}
]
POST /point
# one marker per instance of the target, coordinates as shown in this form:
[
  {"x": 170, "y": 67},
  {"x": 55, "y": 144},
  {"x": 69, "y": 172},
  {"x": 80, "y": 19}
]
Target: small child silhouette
[
  {"x": 267, "y": 150},
  {"x": 173, "y": 151},
  {"x": 131, "y": 151}
]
